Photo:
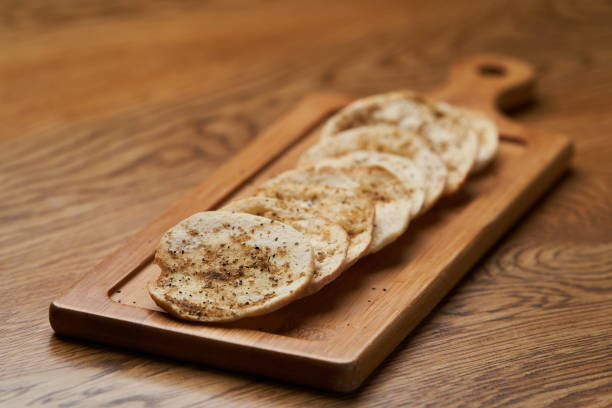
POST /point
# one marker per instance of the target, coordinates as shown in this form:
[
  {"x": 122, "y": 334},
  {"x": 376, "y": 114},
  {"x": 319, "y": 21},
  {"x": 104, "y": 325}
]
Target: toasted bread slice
[
  {"x": 329, "y": 241},
  {"x": 405, "y": 109},
  {"x": 488, "y": 138},
  {"x": 403, "y": 168},
  {"x": 392, "y": 199},
  {"x": 385, "y": 139},
  {"x": 222, "y": 266},
  {"x": 352, "y": 212},
  {"x": 442, "y": 127}
]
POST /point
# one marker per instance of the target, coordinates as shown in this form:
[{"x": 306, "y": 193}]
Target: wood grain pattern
[{"x": 91, "y": 91}]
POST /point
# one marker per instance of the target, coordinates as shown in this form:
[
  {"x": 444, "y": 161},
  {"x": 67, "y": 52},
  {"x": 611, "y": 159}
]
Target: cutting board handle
[{"x": 491, "y": 84}]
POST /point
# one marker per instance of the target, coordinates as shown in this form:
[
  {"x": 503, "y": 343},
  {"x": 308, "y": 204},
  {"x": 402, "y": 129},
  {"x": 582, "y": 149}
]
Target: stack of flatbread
[{"x": 381, "y": 161}]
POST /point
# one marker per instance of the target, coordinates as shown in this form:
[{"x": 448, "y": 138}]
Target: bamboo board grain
[{"x": 335, "y": 338}]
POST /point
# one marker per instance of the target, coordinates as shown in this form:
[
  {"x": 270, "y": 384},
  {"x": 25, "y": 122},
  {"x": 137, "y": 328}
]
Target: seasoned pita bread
[
  {"x": 403, "y": 168},
  {"x": 393, "y": 201},
  {"x": 223, "y": 266},
  {"x": 352, "y": 212},
  {"x": 444, "y": 129},
  {"x": 329, "y": 241},
  {"x": 329, "y": 176},
  {"x": 488, "y": 139},
  {"x": 404, "y": 109},
  {"x": 385, "y": 139}
]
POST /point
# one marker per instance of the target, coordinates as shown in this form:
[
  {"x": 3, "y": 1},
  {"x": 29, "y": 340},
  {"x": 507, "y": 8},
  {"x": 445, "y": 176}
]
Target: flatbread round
[
  {"x": 488, "y": 138},
  {"x": 404, "y": 109},
  {"x": 393, "y": 201},
  {"x": 385, "y": 139},
  {"x": 352, "y": 212},
  {"x": 403, "y": 168},
  {"x": 329, "y": 241},
  {"x": 223, "y": 266},
  {"x": 441, "y": 127}
]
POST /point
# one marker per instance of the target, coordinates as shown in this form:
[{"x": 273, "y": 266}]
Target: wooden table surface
[{"x": 110, "y": 111}]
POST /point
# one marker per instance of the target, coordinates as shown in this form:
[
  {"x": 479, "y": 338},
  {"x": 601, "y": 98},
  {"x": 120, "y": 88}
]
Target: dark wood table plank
[{"x": 111, "y": 111}]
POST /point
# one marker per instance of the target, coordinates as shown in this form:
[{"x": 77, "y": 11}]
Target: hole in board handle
[{"x": 491, "y": 70}]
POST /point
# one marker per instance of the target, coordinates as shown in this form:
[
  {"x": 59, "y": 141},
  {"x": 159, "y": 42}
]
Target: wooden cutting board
[{"x": 336, "y": 337}]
